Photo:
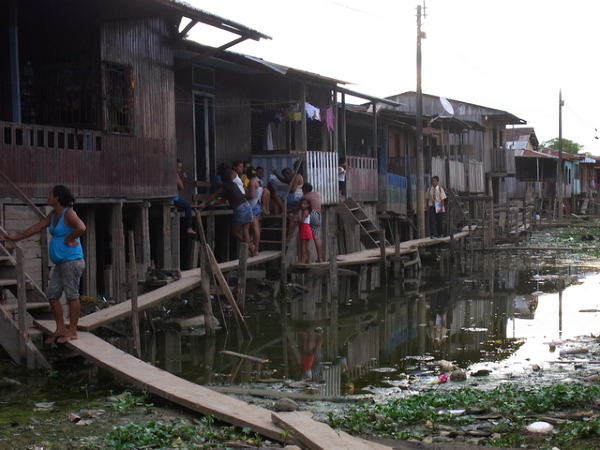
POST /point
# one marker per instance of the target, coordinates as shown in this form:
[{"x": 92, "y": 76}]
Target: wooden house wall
[
  {"x": 144, "y": 44},
  {"x": 118, "y": 166}
]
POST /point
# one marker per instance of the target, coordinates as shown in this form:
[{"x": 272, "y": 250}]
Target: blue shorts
[
  {"x": 293, "y": 199},
  {"x": 65, "y": 278},
  {"x": 243, "y": 214},
  {"x": 256, "y": 210}
]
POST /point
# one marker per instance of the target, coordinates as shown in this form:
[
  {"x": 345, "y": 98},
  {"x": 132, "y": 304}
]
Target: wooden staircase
[
  {"x": 21, "y": 296},
  {"x": 459, "y": 214},
  {"x": 351, "y": 211}
]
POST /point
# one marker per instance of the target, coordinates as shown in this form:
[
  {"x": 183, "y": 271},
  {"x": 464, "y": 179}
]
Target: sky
[{"x": 513, "y": 55}]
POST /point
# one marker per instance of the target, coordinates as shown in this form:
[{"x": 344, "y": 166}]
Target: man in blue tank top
[{"x": 66, "y": 253}]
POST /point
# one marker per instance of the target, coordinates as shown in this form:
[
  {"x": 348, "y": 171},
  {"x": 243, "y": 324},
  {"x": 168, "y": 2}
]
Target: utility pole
[
  {"x": 419, "y": 137},
  {"x": 561, "y": 172}
]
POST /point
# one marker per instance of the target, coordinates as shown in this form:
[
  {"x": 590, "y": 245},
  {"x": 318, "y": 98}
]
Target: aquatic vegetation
[{"x": 511, "y": 405}]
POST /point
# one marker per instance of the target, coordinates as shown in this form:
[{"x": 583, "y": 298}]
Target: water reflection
[{"x": 483, "y": 308}]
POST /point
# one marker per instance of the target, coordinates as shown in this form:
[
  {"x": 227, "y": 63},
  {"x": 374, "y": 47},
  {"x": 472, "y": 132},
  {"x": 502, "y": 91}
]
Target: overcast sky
[{"x": 513, "y": 55}]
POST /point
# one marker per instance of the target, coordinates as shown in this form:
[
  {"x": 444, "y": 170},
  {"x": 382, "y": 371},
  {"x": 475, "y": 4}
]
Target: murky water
[{"x": 500, "y": 311}]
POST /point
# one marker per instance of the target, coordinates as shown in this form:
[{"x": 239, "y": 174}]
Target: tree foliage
[{"x": 568, "y": 146}]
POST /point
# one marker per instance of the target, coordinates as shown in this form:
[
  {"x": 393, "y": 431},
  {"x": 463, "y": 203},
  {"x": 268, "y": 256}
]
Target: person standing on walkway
[
  {"x": 66, "y": 253},
  {"x": 304, "y": 232},
  {"x": 315, "y": 217},
  {"x": 253, "y": 195},
  {"x": 436, "y": 197},
  {"x": 242, "y": 211}
]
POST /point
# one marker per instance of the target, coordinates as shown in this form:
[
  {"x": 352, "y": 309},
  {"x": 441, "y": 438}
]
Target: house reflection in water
[{"x": 455, "y": 312}]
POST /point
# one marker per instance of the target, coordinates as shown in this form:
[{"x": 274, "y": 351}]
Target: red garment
[
  {"x": 304, "y": 231},
  {"x": 307, "y": 362}
]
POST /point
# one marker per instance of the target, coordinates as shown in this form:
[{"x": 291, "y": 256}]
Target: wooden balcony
[
  {"x": 39, "y": 136},
  {"x": 362, "y": 182}
]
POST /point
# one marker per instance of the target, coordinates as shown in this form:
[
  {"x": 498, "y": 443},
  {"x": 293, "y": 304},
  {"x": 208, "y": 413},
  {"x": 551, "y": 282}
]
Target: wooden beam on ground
[
  {"x": 248, "y": 357},
  {"x": 280, "y": 394},
  {"x": 319, "y": 436}
]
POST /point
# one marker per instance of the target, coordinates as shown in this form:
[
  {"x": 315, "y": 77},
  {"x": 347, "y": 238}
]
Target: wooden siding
[
  {"x": 393, "y": 191},
  {"x": 476, "y": 173},
  {"x": 362, "y": 182},
  {"x": 118, "y": 171},
  {"x": 475, "y": 183},
  {"x": 144, "y": 45}
]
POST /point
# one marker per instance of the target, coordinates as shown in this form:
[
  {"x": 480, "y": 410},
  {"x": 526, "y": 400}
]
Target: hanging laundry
[
  {"x": 328, "y": 118},
  {"x": 312, "y": 112},
  {"x": 269, "y": 134}
]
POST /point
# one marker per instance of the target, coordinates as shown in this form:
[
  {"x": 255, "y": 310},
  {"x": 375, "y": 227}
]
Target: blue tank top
[{"x": 59, "y": 250}]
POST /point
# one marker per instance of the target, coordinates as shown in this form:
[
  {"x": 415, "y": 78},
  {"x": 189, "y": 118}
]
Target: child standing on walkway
[{"x": 304, "y": 232}]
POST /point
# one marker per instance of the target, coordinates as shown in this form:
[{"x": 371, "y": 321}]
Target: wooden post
[
  {"x": 242, "y": 270},
  {"x": 135, "y": 318},
  {"x": 89, "y": 282},
  {"x": 22, "y": 306},
  {"x": 383, "y": 274},
  {"x": 117, "y": 244},
  {"x": 205, "y": 273}
]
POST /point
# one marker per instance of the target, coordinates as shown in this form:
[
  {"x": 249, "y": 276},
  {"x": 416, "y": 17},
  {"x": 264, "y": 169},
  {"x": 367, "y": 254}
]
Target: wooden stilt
[{"x": 135, "y": 318}]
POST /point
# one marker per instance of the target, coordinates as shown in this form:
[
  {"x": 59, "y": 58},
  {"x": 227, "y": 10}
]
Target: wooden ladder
[
  {"x": 351, "y": 211},
  {"x": 16, "y": 327}
]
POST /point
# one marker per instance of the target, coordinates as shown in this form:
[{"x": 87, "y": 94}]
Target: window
[{"x": 119, "y": 87}]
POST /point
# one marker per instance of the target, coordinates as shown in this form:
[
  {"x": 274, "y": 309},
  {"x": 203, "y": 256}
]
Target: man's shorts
[
  {"x": 315, "y": 223},
  {"x": 65, "y": 278}
]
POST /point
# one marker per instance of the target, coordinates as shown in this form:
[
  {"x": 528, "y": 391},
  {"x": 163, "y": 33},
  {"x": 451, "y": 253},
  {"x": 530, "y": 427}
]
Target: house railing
[
  {"x": 393, "y": 193},
  {"x": 319, "y": 169},
  {"x": 40, "y": 136},
  {"x": 503, "y": 160},
  {"x": 362, "y": 182}
]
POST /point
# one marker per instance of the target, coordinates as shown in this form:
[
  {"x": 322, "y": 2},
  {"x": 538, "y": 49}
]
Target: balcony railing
[
  {"x": 393, "y": 193},
  {"x": 39, "y": 136},
  {"x": 362, "y": 182}
]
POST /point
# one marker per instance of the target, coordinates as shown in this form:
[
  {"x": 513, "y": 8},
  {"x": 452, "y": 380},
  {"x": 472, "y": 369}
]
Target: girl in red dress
[{"x": 304, "y": 232}]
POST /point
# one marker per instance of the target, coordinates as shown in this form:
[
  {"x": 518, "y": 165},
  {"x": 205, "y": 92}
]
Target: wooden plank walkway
[
  {"x": 198, "y": 398},
  {"x": 373, "y": 255},
  {"x": 190, "y": 279},
  {"x": 318, "y": 435}
]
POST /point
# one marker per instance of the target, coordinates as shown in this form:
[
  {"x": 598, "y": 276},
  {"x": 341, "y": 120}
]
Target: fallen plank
[
  {"x": 241, "y": 355},
  {"x": 279, "y": 394},
  {"x": 319, "y": 436},
  {"x": 169, "y": 386}
]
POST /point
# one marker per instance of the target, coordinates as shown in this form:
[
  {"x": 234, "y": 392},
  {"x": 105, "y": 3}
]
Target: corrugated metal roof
[{"x": 200, "y": 15}]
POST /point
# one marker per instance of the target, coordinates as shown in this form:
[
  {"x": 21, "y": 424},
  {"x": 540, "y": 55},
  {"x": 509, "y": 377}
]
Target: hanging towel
[{"x": 328, "y": 117}]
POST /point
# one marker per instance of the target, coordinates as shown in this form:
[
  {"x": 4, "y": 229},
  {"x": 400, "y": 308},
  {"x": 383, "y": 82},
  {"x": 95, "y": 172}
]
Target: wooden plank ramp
[
  {"x": 203, "y": 400},
  {"x": 318, "y": 435},
  {"x": 164, "y": 384},
  {"x": 190, "y": 279}
]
